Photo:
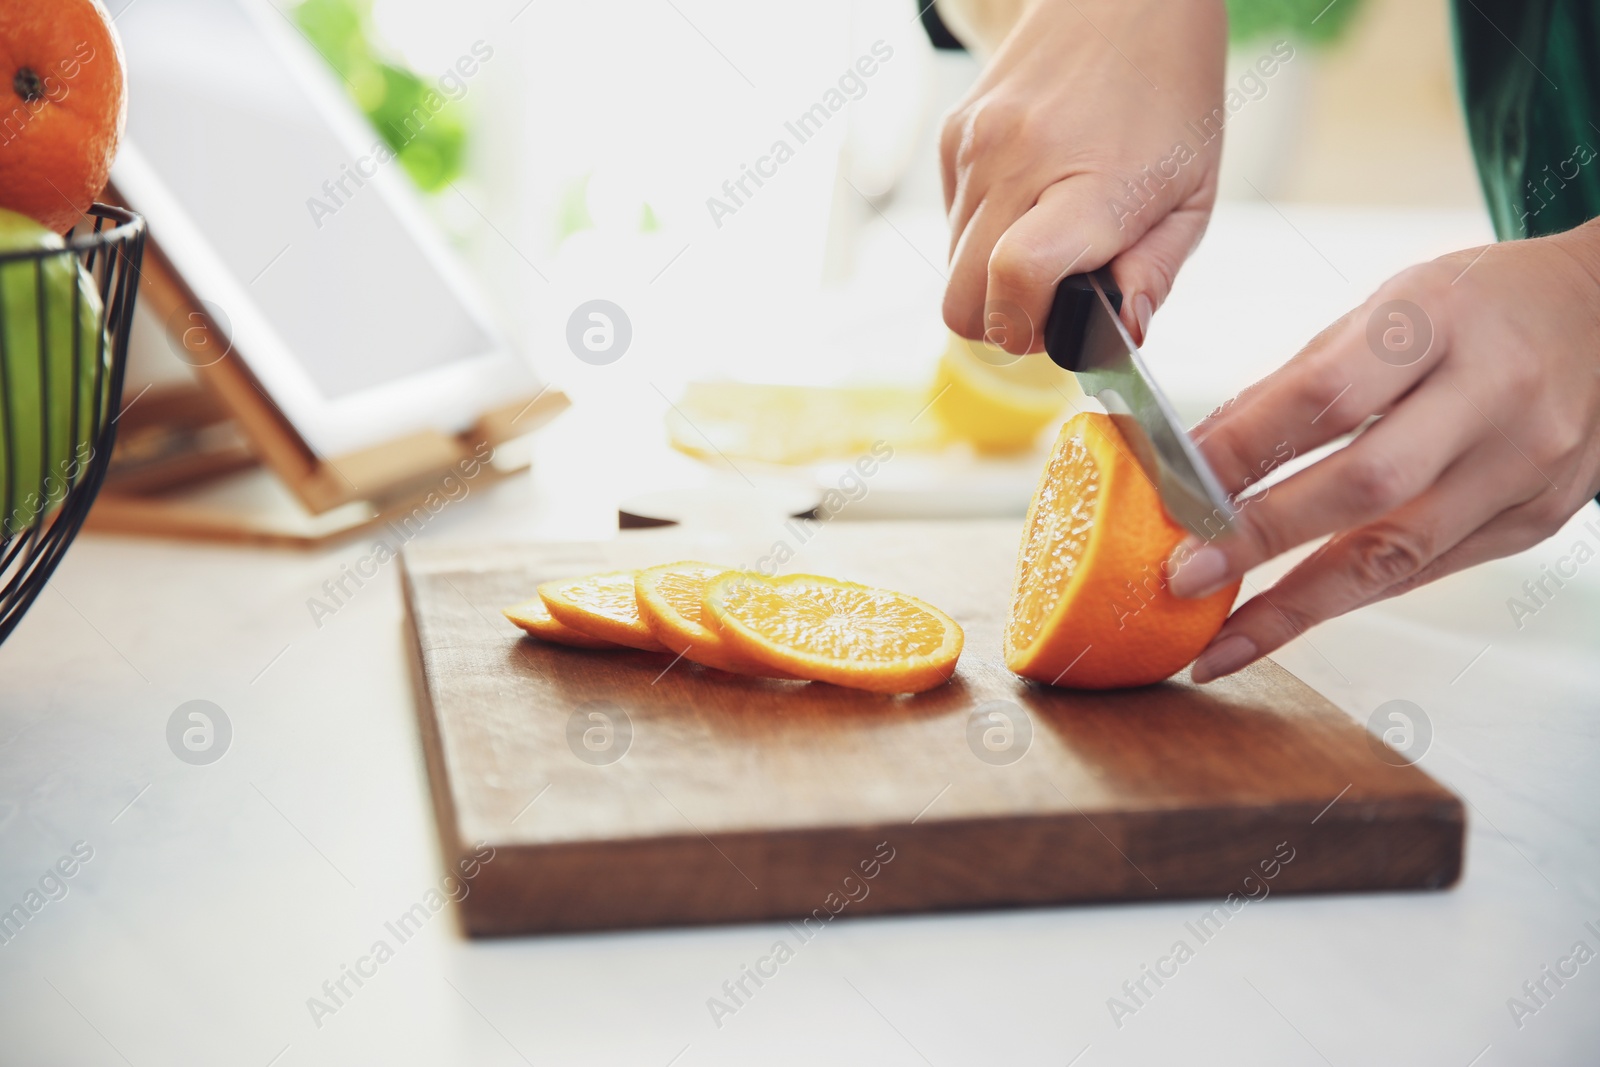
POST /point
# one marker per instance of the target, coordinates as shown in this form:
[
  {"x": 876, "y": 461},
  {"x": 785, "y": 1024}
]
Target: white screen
[{"x": 236, "y": 137}]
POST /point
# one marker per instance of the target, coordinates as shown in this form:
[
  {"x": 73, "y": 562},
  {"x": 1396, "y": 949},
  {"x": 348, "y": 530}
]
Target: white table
[{"x": 219, "y": 898}]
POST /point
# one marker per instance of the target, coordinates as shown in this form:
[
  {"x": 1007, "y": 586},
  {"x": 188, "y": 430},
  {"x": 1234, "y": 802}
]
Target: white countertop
[{"x": 219, "y": 898}]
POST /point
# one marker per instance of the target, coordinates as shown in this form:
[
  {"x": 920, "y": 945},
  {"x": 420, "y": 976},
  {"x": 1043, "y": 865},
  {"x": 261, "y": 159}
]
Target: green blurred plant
[
  {"x": 432, "y": 151},
  {"x": 1312, "y": 21}
]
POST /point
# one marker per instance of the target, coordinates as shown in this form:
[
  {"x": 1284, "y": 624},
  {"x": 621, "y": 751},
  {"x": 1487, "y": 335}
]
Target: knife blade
[{"x": 1085, "y": 336}]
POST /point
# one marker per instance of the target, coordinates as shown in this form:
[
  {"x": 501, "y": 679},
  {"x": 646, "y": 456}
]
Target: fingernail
[
  {"x": 1223, "y": 657},
  {"x": 1143, "y": 309},
  {"x": 1196, "y": 569}
]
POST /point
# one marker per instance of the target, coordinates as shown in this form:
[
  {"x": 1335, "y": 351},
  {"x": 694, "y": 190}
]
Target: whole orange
[
  {"x": 1090, "y": 607},
  {"x": 63, "y": 104}
]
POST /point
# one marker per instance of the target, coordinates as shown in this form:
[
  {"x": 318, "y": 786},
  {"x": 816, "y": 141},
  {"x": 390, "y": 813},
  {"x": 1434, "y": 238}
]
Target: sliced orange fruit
[
  {"x": 534, "y": 618},
  {"x": 671, "y": 600},
  {"x": 1090, "y": 608},
  {"x": 602, "y": 606},
  {"x": 832, "y": 631}
]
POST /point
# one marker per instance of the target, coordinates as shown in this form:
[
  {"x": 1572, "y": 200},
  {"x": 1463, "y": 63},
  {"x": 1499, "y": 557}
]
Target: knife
[{"x": 1085, "y": 336}]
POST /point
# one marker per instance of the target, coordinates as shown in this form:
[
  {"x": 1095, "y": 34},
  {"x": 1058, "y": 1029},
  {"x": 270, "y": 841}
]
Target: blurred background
[
  {"x": 587, "y": 155},
  {"x": 563, "y": 160},
  {"x": 558, "y": 161}
]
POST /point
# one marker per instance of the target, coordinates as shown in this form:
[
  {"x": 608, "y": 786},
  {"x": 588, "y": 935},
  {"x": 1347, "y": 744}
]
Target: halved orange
[
  {"x": 671, "y": 599},
  {"x": 600, "y": 605},
  {"x": 1090, "y": 607},
  {"x": 534, "y": 618},
  {"x": 840, "y": 632}
]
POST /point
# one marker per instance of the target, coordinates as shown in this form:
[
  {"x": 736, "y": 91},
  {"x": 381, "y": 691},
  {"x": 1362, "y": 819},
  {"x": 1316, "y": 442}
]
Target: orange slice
[
  {"x": 602, "y": 606},
  {"x": 670, "y": 602},
  {"x": 533, "y": 617},
  {"x": 839, "y": 632},
  {"x": 1090, "y": 608}
]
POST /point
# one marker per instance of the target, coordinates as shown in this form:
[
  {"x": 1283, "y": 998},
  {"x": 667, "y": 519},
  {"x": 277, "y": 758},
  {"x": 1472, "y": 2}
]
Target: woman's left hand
[{"x": 1484, "y": 367}]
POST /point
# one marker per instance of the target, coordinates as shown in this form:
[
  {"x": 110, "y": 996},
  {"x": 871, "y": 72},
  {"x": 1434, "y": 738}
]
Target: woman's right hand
[{"x": 1084, "y": 140}]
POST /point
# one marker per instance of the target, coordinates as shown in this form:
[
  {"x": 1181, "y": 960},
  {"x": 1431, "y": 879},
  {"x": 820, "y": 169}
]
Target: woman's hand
[
  {"x": 1484, "y": 366},
  {"x": 1094, "y": 132}
]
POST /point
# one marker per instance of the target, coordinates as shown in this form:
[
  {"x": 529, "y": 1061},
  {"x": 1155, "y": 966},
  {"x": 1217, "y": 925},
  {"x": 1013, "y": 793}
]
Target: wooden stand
[{"x": 218, "y": 460}]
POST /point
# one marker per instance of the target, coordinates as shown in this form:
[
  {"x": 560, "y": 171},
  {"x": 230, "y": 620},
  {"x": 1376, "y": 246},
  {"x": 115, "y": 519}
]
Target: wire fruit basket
[{"x": 63, "y": 352}]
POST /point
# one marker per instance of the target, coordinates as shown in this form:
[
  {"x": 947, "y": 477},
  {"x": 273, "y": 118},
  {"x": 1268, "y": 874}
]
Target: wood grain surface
[{"x": 699, "y": 797}]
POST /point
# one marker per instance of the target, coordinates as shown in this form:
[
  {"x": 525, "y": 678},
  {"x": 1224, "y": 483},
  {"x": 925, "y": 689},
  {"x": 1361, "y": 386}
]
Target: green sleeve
[{"x": 1530, "y": 85}]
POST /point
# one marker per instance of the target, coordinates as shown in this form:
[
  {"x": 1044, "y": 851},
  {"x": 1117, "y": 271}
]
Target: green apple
[{"x": 45, "y": 390}]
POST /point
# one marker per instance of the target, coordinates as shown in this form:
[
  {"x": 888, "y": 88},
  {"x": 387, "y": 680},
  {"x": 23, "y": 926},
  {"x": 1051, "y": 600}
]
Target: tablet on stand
[{"x": 346, "y": 365}]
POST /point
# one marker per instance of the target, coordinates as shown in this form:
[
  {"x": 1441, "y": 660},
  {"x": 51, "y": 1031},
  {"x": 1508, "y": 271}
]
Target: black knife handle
[{"x": 1075, "y": 300}]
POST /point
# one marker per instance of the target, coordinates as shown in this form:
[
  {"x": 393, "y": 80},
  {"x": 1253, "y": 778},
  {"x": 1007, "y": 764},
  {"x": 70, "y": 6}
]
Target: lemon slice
[
  {"x": 792, "y": 424},
  {"x": 997, "y": 401}
]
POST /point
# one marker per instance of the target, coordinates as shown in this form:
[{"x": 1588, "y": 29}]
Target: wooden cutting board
[{"x": 620, "y": 789}]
